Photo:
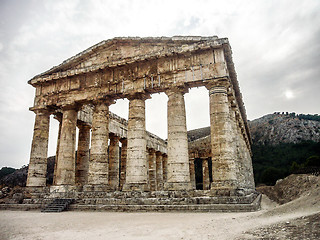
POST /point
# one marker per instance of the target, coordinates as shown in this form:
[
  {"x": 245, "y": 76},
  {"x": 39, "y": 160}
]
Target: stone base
[
  {"x": 62, "y": 188},
  {"x": 219, "y": 191},
  {"x": 177, "y": 186},
  {"x": 197, "y": 200},
  {"x": 36, "y": 189},
  {"x": 139, "y": 187},
  {"x": 96, "y": 188}
]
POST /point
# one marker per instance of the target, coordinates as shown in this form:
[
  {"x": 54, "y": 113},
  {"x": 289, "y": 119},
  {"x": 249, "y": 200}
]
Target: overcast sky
[{"x": 276, "y": 47}]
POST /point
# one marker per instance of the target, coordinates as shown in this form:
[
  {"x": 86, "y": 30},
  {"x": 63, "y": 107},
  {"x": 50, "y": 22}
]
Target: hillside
[
  {"x": 273, "y": 129},
  {"x": 283, "y": 144}
]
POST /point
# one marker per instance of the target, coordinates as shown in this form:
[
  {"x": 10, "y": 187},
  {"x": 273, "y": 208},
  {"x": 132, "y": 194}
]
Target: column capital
[
  {"x": 114, "y": 136},
  {"x": 151, "y": 150},
  {"x": 218, "y": 84},
  {"x": 84, "y": 125},
  {"x": 71, "y": 106},
  {"x": 107, "y": 102},
  {"x": 41, "y": 111},
  {"x": 142, "y": 96},
  {"x": 102, "y": 105},
  {"x": 176, "y": 89}
]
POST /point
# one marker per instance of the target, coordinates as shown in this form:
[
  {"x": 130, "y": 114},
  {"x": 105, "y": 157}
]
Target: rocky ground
[
  {"x": 306, "y": 227},
  {"x": 298, "y": 218}
]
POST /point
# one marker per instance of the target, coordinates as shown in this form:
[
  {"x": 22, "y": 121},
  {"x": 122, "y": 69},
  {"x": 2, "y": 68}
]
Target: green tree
[
  {"x": 5, "y": 171},
  {"x": 313, "y": 161},
  {"x": 294, "y": 167},
  {"x": 270, "y": 175}
]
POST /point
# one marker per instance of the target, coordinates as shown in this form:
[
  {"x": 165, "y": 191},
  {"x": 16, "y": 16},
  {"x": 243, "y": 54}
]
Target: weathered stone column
[
  {"x": 123, "y": 161},
  {"x": 192, "y": 173},
  {"x": 152, "y": 169},
  {"x": 137, "y": 172},
  {"x": 98, "y": 161},
  {"x": 39, "y": 149},
  {"x": 224, "y": 172},
  {"x": 165, "y": 168},
  {"x": 82, "y": 163},
  {"x": 205, "y": 174},
  {"x": 66, "y": 157},
  {"x": 159, "y": 171},
  {"x": 114, "y": 162},
  {"x": 59, "y": 118},
  {"x": 178, "y": 159}
]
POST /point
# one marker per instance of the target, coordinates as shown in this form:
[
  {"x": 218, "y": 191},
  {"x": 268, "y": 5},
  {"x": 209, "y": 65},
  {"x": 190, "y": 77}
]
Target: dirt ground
[
  {"x": 265, "y": 224},
  {"x": 296, "y": 219}
]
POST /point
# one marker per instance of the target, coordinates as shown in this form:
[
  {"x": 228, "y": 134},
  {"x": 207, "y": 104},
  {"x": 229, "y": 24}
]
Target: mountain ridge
[{"x": 273, "y": 129}]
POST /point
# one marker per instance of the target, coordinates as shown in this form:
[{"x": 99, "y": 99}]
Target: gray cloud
[{"x": 275, "y": 49}]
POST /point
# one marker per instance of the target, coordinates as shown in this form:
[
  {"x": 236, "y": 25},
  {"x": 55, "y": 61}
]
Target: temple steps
[
  {"x": 58, "y": 205},
  {"x": 142, "y": 207},
  {"x": 155, "y": 201}
]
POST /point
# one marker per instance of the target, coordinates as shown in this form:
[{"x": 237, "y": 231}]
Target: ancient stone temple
[{"x": 115, "y": 155}]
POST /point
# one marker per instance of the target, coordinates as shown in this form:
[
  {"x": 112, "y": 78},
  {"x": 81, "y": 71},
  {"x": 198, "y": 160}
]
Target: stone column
[
  {"x": 192, "y": 173},
  {"x": 159, "y": 171},
  {"x": 39, "y": 149},
  {"x": 137, "y": 172},
  {"x": 205, "y": 174},
  {"x": 82, "y": 163},
  {"x": 66, "y": 156},
  {"x": 152, "y": 170},
  {"x": 178, "y": 159},
  {"x": 165, "y": 168},
  {"x": 98, "y": 161},
  {"x": 123, "y": 161},
  {"x": 224, "y": 172},
  {"x": 59, "y": 118},
  {"x": 114, "y": 162}
]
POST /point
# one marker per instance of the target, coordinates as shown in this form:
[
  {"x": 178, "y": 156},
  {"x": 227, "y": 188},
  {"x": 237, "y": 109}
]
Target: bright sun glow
[{"x": 289, "y": 94}]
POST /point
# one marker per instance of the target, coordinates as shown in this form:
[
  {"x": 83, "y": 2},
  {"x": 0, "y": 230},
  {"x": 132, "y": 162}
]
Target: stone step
[
  {"x": 147, "y": 200},
  {"x": 165, "y": 201},
  {"x": 58, "y": 205},
  {"x": 152, "y": 194},
  {"x": 254, "y": 206}
]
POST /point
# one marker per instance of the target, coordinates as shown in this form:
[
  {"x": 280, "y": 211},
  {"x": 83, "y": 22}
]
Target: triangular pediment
[{"x": 122, "y": 50}]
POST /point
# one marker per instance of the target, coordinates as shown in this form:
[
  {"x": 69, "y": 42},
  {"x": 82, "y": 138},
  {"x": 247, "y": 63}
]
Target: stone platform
[{"x": 195, "y": 201}]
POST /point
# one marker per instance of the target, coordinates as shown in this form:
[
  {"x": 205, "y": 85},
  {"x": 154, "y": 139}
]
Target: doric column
[
  {"x": 39, "y": 149},
  {"x": 66, "y": 157},
  {"x": 59, "y": 118},
  {"x": 137, "y": 172},
  {"x": 192, "y": 173},
  {"x": 165, "y": 168},
  {"x": 178, "y": 160},
  {"x": 98, "y": 161},
  {"x": 224, "y": 172},
  {"x": 159, "y": 171},
  {"x": 114, "y": 178},
  {"x": 152, "y": 170},
  {"x": 123, "y": 161},
  {"x": 205, "y": 174},
  {"x": 82, "y": 163}
]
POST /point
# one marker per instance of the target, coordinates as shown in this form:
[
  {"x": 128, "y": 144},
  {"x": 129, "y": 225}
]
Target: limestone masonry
[{"x": 123, "y": 156}]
